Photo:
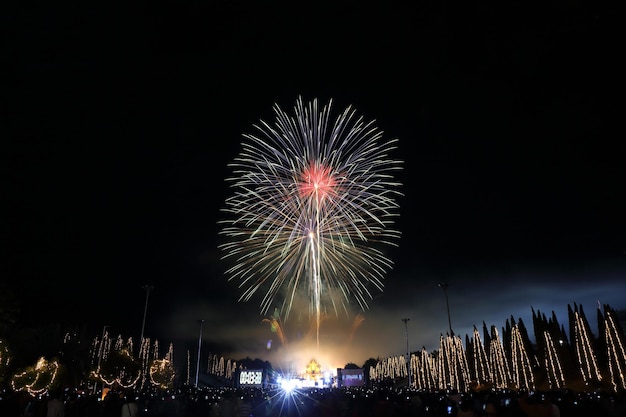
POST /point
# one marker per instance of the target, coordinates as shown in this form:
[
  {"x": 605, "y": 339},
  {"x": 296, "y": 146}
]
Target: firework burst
[{"x": 313, "y": 206}]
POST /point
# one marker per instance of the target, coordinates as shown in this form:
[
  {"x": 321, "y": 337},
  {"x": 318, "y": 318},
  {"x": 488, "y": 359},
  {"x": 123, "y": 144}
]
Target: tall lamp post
[
  {"x": 148, "y": 288},
  {"x": 408, "y": 353},
  {"x": 199, "y": 346},
  {"x": 444, "y": 285}
]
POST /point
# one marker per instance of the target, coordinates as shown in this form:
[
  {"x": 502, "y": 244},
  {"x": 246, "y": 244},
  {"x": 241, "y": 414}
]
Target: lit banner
[
  {"x": 350, "y": 378},
  {"x": 251, "y": 378}
]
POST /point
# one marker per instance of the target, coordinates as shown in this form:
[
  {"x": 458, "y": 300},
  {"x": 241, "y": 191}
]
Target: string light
[
  {"x": 482, "y": 370},
  {"x": 188, "y": 366},
  {"x": 584, "y": 351},
  {"x": 453, "y": 367},
  {"x": 554, "y": 371},
  {"x": 522, "y": 370},
  {"x": 499, "y": 360},
  {"x": 616, "y": 354},
  {"x": 503, "y": 366},
  {"x": 5, "y": 356},
  {"x": 414, "y": 364},
  {"x": 36, "y": 380},
  {"x": 162, "y": 374}
]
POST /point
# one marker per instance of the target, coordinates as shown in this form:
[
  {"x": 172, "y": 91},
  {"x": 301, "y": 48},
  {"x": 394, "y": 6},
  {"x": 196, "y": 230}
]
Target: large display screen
[
  {"x": 350, "y": 377},
  {"x": 251, "y": 378}
]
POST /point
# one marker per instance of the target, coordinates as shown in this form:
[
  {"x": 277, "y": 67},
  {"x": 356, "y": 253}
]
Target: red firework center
[{"x": 317, "y": 180}]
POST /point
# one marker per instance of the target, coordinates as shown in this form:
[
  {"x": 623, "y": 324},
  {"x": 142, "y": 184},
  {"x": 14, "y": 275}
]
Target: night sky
[{"x": 118, "y": 125}]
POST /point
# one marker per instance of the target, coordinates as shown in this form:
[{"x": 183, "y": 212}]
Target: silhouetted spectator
[
  {"x": 537, "y": 406},
  {"x": 74, "y": 407},
  {"x": 227, "y": 406},
  {"x": 55, "y": 406},
  {"x": 245, "y": 406},
  {"x": 130, "y": 407},
  {"x": 490, "y": 410}
]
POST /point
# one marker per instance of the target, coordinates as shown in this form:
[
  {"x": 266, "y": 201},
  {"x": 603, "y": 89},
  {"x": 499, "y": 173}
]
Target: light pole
[
  {"x": 148, "y": 288},
  {"x": 408, "y": 353},
  {"x": 100, "y": 353},
  {"x": 199, "y": 346},
  {"x": 444, "y": 285}
]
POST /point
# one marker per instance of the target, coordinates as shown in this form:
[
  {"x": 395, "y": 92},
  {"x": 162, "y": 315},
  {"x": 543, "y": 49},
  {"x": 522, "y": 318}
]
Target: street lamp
[
  {"x": 148, "y": 288},
  {"x": 199, "y": 345},
  {"x": 444, "y": 285},
  {"x": 408, "y": 353}
]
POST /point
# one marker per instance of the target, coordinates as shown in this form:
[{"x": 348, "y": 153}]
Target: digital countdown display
[{"x": 251, "y": 378}]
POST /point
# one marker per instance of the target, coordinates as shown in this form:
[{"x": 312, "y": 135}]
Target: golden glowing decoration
[
  {"x": 231, "y": 369},
  {"x": 389, "y": 368},
  {"x": 223, "y": 368},
  {"x": 498, "y": 360},
  {"x": 6, "y": 357},
  {"x": 482, "y": 370},
  {"x": 503, "y": 366},
  {"x": 616, "y": 354},
  {"x": 120, "y": 369},
  {"x": 144, "y": 358},
  {"x": 188, "y": 367},
  {"x": 523, "y": 376},
  {"x": 424, "y": 371},
  {"x": 162, "y": 374},
  {"x": 113, "y": 362},
  {"x": 584, "y": 350},
  {"x": 554, "y": 370},
  {"x": 161, "y": 371},
  {"x": 453, "y": 367},
  {"x": 38, "y": 379},
  {"x": 313, "y": 371}
]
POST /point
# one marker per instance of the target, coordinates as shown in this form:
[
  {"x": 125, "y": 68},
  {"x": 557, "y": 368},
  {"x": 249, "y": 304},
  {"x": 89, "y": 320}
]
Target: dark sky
[{"x": 119, "y": 124}]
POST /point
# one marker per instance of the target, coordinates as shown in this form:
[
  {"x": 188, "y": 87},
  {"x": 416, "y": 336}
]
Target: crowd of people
[{"x": 310, "y": 402}]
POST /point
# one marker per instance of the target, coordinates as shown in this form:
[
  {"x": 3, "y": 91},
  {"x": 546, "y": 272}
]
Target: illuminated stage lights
[{"x": 288, "y": 385}]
